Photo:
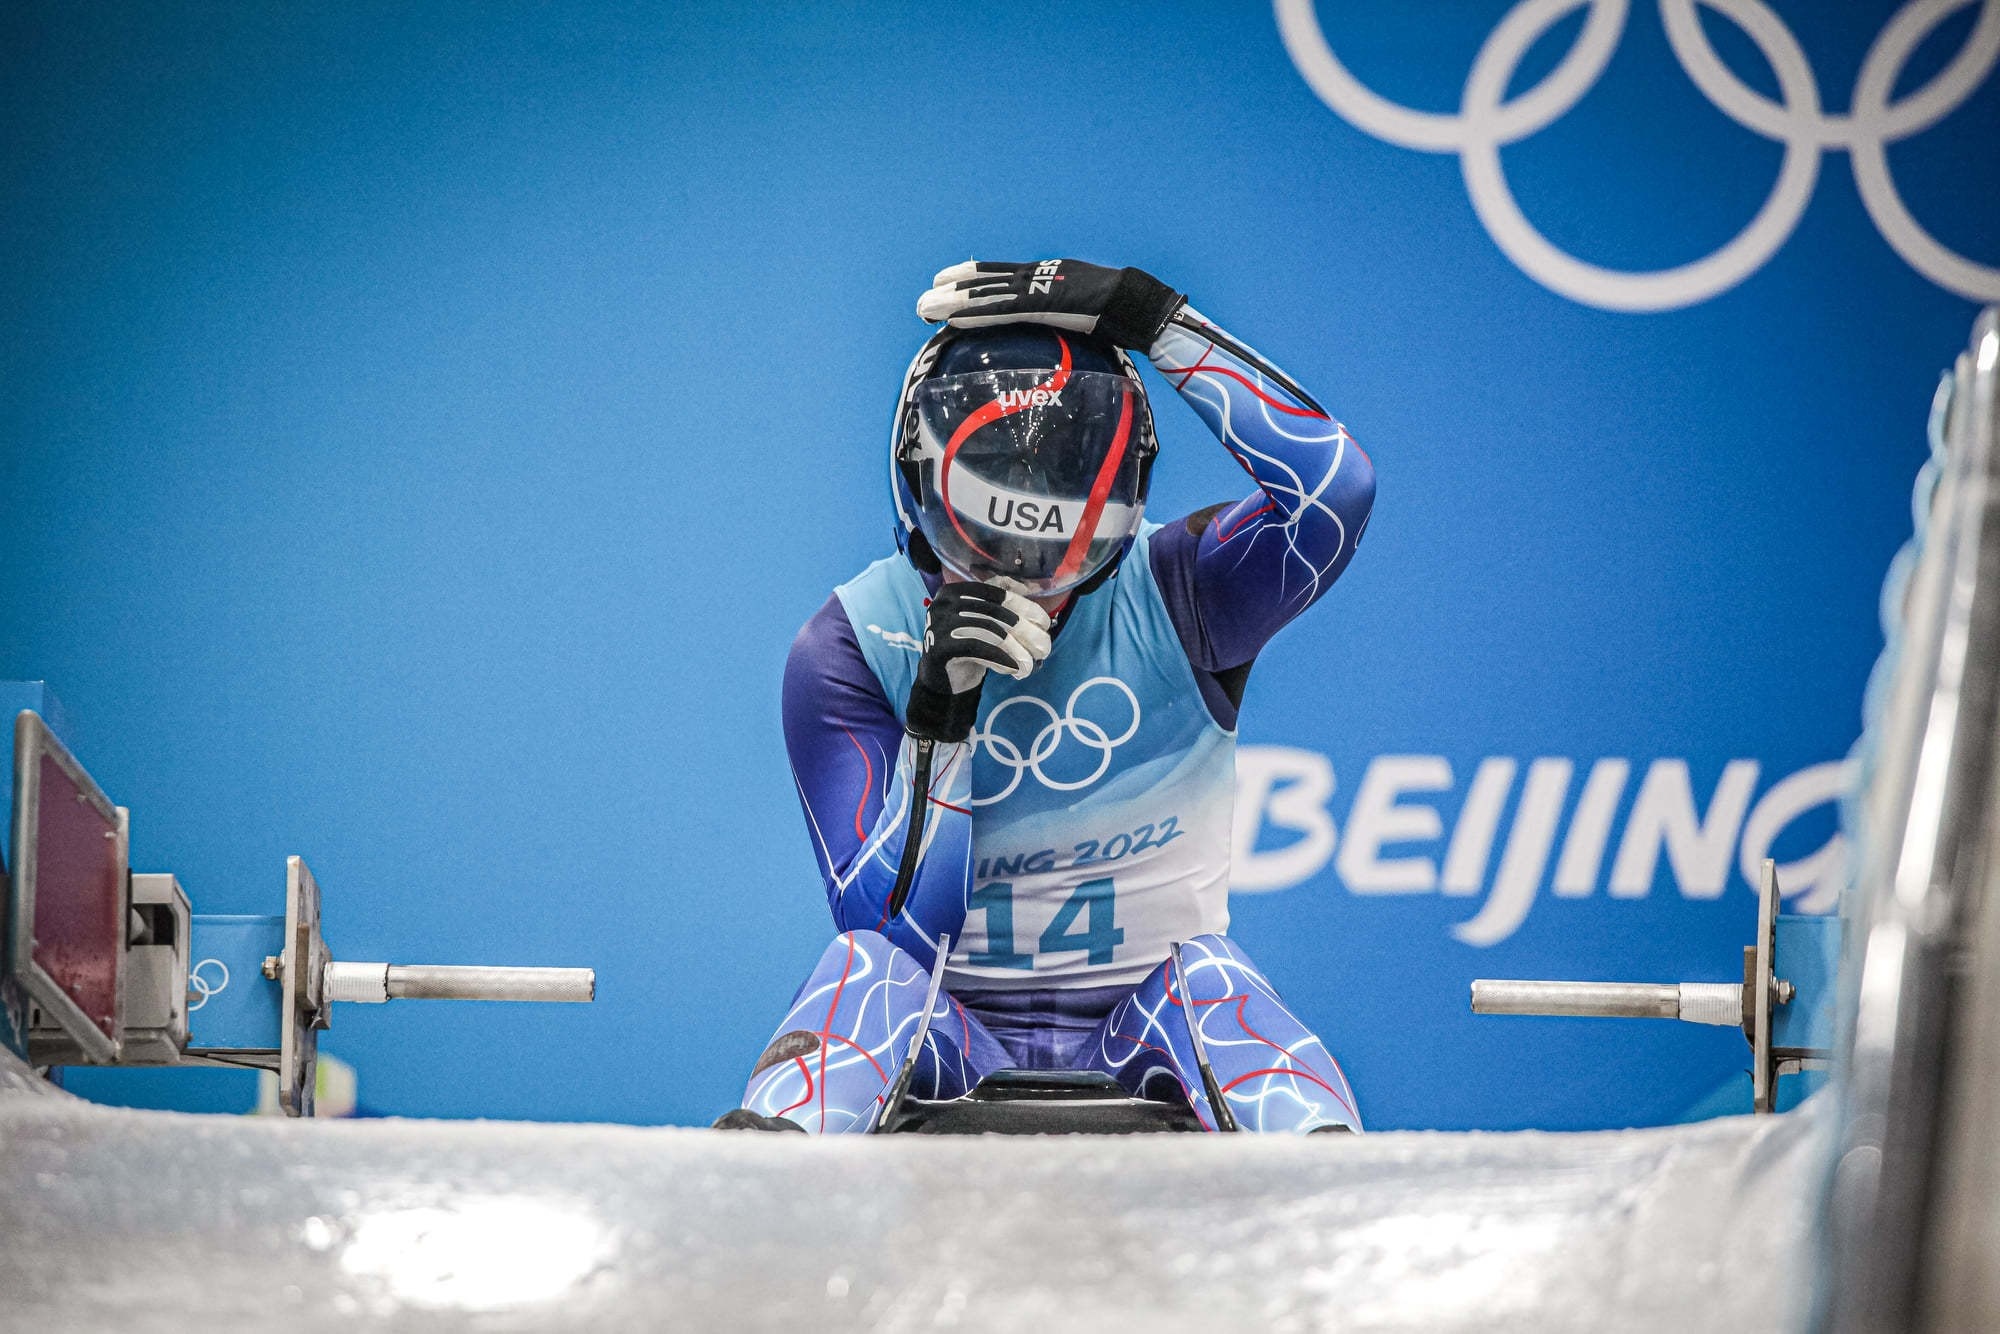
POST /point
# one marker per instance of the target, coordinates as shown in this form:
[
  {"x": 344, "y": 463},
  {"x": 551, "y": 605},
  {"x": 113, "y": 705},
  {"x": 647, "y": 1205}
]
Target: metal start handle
[
  {"x": 1718, "y": 1003},
  {"x": 374, "y": 983},
  {"x": 1750, "y": 1006}
]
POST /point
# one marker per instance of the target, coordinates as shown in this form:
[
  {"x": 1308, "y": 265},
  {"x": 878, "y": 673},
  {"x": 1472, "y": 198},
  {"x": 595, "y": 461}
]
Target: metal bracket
[
  {"x": 302, "y": 971},
  {"x": 1763, "y": 1072}
]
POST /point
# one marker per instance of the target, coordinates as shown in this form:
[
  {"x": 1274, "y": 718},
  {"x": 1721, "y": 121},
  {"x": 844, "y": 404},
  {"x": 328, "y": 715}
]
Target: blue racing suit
[{"x": 1084, "y": 825}]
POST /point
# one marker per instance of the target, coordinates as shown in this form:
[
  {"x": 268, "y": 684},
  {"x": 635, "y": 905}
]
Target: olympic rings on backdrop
[
  {"x": 200, "y": 988},
  {"x": 1486, "y": 121},
  {"x": 1050, "y": 738}
]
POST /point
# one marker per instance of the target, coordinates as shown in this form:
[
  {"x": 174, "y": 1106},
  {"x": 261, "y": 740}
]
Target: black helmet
[{"x": 1021, "y": 452}]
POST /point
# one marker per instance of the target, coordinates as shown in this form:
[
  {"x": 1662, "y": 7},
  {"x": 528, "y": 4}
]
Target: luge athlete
[{"x": 1073, "y": 674}]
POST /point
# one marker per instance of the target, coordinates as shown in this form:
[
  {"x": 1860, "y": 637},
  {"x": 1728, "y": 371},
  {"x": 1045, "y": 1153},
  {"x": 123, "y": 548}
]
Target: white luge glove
[
  {"x": 972, "y": 629},
  {"x": 1128, "y": 307}
]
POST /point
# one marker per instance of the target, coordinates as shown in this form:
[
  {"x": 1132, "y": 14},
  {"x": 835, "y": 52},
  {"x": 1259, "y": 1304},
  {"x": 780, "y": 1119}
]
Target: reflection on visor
[{"x": 1030, "y": 474}]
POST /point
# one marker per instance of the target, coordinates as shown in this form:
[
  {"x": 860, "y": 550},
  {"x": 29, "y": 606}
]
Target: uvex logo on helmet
[
  {"x": 1044, "y": 274},
  {"x": 1013, "y": 400}
]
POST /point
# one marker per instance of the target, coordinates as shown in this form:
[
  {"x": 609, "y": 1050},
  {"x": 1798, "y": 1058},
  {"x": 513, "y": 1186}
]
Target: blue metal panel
[
  {"x": 1807, "y": 956},
  {"x": 1794, "y": 1089},
  {"x": 234, "y": 1005}
]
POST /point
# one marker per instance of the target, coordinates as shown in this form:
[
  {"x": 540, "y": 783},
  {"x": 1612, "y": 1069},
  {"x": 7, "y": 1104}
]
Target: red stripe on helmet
[{"x": 1100, "y": 490}]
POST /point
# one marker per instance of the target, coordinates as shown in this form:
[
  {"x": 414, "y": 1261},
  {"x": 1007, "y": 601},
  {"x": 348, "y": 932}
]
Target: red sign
[{"x": 79, "y": 910}]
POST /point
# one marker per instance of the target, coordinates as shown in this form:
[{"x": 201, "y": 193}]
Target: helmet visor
[{"x": 1030, "y": 475}]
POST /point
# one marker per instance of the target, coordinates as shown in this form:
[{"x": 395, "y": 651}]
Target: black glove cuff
[
  {"x": 1138, "y": 310},
  {"x": 938, "y": 715}
]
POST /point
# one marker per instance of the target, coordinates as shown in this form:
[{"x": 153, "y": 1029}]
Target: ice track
[{"x": 138, "y": 1221}]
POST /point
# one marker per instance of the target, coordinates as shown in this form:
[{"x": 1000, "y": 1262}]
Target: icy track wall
[
  {"x": 144, "y": 1221},
  {"x": 426, "y": 438}
]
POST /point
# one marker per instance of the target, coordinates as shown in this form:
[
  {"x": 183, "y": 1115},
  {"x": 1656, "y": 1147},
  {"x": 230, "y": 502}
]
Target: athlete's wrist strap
[
  {"x": 1138, "y": 309},
  {"x": 938, "y": 715}
]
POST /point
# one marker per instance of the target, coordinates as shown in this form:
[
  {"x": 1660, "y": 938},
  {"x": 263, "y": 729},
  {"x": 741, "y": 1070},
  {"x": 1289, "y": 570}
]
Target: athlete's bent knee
[
  {"x": 1214, "y": 945},
  {"x": 871, "y": 945}
]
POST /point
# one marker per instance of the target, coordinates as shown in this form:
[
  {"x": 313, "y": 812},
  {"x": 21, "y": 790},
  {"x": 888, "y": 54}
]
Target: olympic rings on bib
[
  {"x": 1060, "y": 726},
  {"x": 1486, "y": 121}
]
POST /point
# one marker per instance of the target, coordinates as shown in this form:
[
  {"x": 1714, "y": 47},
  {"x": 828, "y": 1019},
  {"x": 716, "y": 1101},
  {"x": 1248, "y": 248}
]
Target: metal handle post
[
  {"x": 1623, "y": 1000},
  {"x": 1695, "y": 1002},
  {"x": 376, "y": 982}
]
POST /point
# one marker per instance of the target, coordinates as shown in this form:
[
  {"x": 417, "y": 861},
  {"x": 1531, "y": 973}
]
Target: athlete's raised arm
[
  {"x": 1255, "y": 564},
  {"x": 1266, "y": 558}
]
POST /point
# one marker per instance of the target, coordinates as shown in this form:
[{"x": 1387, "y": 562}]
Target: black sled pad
[{"x": 1042, "y": 1102}]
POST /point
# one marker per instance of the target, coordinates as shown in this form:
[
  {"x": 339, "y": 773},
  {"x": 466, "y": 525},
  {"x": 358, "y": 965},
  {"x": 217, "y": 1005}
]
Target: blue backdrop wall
[{"x": 427, "y": 426}]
